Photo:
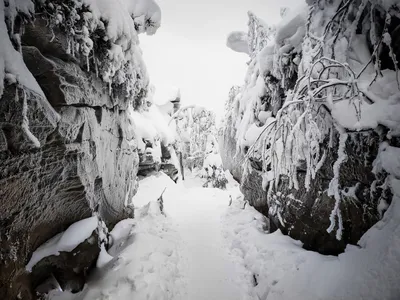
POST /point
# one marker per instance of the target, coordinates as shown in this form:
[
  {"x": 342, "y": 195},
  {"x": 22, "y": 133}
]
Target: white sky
[{"x": 189, "y": 49}]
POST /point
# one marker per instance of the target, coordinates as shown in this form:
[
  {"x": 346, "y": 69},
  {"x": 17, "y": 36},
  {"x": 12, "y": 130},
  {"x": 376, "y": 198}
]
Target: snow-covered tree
[
  {"x": 194, "y": 126},
  {"x": 212, "y": 168}
]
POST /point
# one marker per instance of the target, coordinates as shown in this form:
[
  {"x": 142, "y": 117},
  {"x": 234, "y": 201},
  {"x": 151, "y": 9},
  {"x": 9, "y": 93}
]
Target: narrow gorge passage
[
  {"x": 178, "y": 252},
  {"x": 209, "y": 270},
  {"x": 189, "y": 150},
  {"x": 197, "y": 244}
]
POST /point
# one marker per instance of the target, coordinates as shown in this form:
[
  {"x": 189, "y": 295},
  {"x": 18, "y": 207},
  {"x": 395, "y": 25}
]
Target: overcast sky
[{"x": 189, "y": 50}]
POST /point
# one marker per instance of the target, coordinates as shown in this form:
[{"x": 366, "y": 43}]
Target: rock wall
[
  {"x": 65, "y": 154},
  {"x": 261, "y": 144}
]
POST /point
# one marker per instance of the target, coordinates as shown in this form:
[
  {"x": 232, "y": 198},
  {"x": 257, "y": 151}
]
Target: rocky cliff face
[
  {"x": 67, "y": 147},
  {"x": 308, "y": 152}
]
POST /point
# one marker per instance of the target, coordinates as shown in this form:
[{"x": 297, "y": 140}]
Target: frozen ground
[{"x": 203, "y": 248}]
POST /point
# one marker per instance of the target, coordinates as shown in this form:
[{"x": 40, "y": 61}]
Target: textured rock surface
[
  {"x": 86, "y": 162},
  {"x": 302, "y": 214},
  {"x": 231, "y": 160}
]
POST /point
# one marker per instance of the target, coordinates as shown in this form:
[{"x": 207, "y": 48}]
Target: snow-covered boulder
[{"x": 307, "y": 149}]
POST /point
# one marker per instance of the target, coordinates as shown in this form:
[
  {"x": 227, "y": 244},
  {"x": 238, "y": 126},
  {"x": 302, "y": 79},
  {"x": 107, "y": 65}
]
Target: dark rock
[
  {"x": 39, "y": 188},
  {"x": 304, "y": 215},
  {"x": 251, "y": 187},
  {"x": 70, "y": 269}
]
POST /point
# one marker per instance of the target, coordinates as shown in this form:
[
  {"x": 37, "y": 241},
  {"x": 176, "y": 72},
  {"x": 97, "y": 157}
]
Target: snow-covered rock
[
  {"x": 67, "y": 241},
  {"x": 68, "y": 146},
  {"x": 306, "y": 139}
]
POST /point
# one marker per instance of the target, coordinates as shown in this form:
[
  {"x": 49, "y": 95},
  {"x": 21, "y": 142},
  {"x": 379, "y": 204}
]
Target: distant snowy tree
[
  {"x": 259, "y": 34},
  {"x": 212, "y": 168},
  {"x": 194, "y": 126}
]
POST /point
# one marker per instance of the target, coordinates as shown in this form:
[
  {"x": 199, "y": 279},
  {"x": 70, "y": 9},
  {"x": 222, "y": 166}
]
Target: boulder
[{"x": 305, "y": 214}]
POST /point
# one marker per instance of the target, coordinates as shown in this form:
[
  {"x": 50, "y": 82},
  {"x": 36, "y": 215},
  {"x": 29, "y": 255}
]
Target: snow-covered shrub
[
  {"x": 195, "y": 127},
  {"x": 213, "y": 172},
  {"x": 212, "y": 169}
]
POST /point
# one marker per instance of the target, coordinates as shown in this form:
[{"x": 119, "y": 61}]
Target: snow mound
[
  {"x": 212, "y": 160},
  {"x": 104, "y": 258},
  {"x": 121, "y": 230},
  {"x": 145, "y": 263},
  {"x": 152, "y": 125},
  {"x": 151, "y": 188},
  {"x": 285, "y": 271},
  {"x": 125, "y": 17},
  {"x": 66, "y": 241},
  {"x": 237, "y": 41},
  {"x": 292, "y": 24}
]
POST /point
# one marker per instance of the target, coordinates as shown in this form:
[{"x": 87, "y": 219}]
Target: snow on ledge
[
  {"x": 11, "y": 62},
  {"x": 123, "y": 15},
  {"x": 65, "y": 241}
]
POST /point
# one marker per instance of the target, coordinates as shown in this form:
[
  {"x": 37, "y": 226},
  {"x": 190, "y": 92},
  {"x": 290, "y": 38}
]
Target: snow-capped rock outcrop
[
  {"x": 319, "y": 97},
  {"x": 70, "y": 70}
]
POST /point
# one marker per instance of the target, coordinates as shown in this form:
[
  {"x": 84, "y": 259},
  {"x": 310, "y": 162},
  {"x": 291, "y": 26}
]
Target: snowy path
[
  {"x": 209, "y": 270},
  {"x": 204, "y": 249},
  {"x": 182, "y": 255}
]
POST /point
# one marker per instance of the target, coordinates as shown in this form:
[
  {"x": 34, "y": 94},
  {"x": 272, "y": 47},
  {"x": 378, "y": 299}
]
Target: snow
[
  {"x": 237, "y": 41},
  {"x": 212, "y": 160},
  {"x": 210, "y": 245},
  {"x": 151, "y": 188},
  {"x": 146, "y": 260},
  {"x": 104, "y": 258},
  {"x": 388, "y": 159},
  {"x": 285, "y": 271},
  {"x": 123, "y": 14},
  {"x": 151, "y": 125},
  {"x": 264, "y": 115},
  {"x": 65, "y": 241},
  {"x": 10, "y": 59},
  {"x": 334, "y": 188},
  {"x": 14, "y": 70},
  {"x": 121, "y": 21},
  {"x": 121, "y": 230},
  {"x": 292, "y": 26},
  {"x": 284, "y": 136},
  {"x": 385, "y": 110},
  {"x": 254, "y": 132}
]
